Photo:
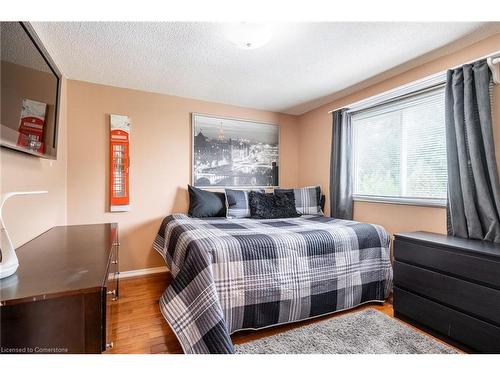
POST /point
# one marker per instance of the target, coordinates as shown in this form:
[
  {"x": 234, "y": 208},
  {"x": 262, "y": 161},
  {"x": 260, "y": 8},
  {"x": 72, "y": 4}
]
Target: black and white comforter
[{"x": 235, "y": 274}]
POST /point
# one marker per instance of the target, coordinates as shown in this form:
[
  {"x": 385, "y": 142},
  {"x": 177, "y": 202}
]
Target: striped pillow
[
  {"x": 237, "y": 203},
  {"x": 307, "y": 200}
]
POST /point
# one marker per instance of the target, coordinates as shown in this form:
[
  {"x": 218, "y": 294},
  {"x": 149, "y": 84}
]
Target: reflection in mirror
[{"x": 29, "y": 92}]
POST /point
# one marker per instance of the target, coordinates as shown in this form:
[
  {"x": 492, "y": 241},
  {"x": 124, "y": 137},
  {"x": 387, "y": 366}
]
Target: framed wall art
[{"x": 230, "y": 152}]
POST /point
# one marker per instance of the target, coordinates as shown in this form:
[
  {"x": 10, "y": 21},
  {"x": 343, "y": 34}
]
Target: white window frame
[
  {"x": 370, "y": 103},
  {"x": 426, "y": 202}
]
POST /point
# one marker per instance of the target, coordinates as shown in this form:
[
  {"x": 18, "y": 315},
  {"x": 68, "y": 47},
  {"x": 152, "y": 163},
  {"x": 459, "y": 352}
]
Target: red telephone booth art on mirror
[{"x": 32, "y": 125}]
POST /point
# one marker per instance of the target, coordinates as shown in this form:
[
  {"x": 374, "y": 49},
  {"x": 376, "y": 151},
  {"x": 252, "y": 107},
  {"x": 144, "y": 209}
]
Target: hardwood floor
[{"x": 139, "y": 327}]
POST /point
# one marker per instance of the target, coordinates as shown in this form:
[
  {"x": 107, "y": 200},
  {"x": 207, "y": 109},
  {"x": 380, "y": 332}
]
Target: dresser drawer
[
  {"x": 470, "y": 266},
  {"x": 473, "y": 299},
  {"x": 108, "y": 306},
  {"x": 474, "y": 333},
  {"x": 113, "y": 272},
  {"x": 111, "y": 294}
]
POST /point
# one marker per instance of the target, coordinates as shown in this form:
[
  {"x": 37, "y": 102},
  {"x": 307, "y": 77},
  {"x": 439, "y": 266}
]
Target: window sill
[{"x": 403, "y": 201}]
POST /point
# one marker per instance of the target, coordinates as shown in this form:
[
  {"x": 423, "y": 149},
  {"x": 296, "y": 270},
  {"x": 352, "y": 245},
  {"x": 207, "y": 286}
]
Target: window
[{"x": 400, "y": 150}]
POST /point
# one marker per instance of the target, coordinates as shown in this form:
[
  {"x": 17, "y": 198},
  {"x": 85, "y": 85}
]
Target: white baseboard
[{"x": 143, "y": 272}]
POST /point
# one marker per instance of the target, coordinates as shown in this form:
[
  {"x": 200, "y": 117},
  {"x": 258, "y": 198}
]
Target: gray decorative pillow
[
  {"x": 237, "y": 203},
  {"x": 307, "y": 200}
]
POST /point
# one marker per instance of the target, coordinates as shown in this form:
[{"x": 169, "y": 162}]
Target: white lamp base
[
  {"x": 9, "y": 263},
  {"x": 8, "y": 269}
]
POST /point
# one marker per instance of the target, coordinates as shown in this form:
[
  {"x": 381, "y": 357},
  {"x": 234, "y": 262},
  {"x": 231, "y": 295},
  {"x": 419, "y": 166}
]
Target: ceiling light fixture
[{"x": 249, "y": 35}]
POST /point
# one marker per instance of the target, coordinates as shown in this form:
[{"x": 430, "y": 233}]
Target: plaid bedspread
[{"x": 234, "y": 274}]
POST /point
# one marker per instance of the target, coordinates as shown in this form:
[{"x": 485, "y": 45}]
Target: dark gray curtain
[
  {"x": 341, "y": 166},
  {"x": 473, "y": 188}
]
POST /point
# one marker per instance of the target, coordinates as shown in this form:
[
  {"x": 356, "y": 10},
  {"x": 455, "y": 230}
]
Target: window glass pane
[
  {"x": 399, "y": 148},
  {"x": 377, "y": 144},
  {"x": 426, "y": 151}
]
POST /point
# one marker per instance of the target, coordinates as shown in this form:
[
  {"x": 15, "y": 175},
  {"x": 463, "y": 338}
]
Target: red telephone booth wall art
[{"x": 120, "y": 163}]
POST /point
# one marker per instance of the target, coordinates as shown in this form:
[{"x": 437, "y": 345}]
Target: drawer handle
[
  {"x": 109, "y": 345},
  {"x": 114, "y": 262},
  {"x": 112, "y": 293}
]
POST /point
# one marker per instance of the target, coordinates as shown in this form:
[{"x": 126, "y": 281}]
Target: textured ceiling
[
  {"x": 303, "y": 65},
  {"x": 21, "y": 52}
]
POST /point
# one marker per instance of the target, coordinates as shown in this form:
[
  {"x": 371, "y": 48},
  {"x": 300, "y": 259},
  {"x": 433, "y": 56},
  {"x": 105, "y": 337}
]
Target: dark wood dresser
[
  {"x": 450, "y": 286},
  {"x": 60, "y": 299}
]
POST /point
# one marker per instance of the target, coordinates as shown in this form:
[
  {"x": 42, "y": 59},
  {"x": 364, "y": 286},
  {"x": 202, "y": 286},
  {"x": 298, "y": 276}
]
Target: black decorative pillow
[
  {"x": 204, "y": 203},
  {"x": 272, "y": 206}
]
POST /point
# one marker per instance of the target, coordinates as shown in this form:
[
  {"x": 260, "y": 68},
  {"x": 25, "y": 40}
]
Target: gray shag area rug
[{"x": 363, "y": 332}]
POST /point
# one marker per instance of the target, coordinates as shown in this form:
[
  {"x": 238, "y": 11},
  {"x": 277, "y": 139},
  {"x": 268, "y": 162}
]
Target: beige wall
[
  {"x": 160, "y": 154},
  {"x": 28, "y": 216},
  {"x": 315, "y": 142}
]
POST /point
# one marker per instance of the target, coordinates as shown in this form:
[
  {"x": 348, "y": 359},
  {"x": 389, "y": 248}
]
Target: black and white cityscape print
[{"x": 230, "y": 152}]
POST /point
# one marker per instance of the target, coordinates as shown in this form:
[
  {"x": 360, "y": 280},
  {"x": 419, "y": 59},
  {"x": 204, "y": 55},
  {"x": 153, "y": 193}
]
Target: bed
[{"x": 235, "y": 274}]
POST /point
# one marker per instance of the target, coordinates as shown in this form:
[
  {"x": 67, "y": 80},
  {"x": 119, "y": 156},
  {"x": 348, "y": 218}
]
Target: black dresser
[
  {"x": 450, "y": 287},
  {"x": 61, "y": 297}
]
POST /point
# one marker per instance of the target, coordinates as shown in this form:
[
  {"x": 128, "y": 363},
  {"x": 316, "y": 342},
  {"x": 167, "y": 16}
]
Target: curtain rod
[{"x": 493, "y": 63}]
